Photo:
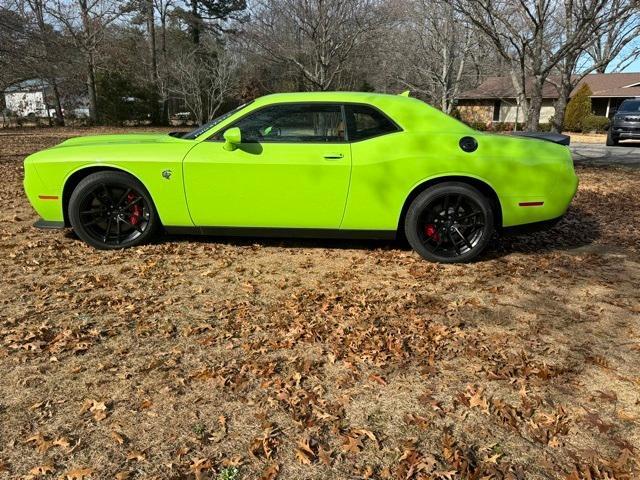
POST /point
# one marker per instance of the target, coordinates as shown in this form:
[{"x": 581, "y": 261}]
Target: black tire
[
  {"x": 111, "y": 210},
  {"x": 449, "y": 223},
  {"x": 612, "y": 141}
]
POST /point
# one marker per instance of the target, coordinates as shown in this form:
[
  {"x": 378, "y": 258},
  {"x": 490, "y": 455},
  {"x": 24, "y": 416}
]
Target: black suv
[{"x": 625, "y": 123}]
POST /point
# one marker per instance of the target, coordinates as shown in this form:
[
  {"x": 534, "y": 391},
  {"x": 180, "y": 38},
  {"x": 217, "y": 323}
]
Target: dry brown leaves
[{"x": 322, "y": 359}]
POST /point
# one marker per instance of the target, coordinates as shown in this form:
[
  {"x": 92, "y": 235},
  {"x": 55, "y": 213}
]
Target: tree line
[{"x": 209, "y": 55}]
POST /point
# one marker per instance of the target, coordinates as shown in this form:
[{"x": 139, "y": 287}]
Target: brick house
[{"x": 494, "y": 100}]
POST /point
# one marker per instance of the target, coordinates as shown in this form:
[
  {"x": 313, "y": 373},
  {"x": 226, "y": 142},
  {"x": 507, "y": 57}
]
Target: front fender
[{"x": 62, "y": 167}]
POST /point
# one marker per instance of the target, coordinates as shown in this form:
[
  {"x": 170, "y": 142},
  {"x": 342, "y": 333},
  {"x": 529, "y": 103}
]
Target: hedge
[
  {"x": 595, "y": 123},
  {"x": 504, "y": 126}
]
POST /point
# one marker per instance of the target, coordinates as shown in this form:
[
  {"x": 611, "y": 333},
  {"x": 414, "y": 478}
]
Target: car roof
[{"x": 407, "y": 111}]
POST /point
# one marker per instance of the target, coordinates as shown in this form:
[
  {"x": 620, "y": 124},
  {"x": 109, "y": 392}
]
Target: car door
[{"x": 291, "y": 170}]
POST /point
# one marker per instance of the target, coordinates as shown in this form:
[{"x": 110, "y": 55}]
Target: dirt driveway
[{"x": 211, "y": 358}]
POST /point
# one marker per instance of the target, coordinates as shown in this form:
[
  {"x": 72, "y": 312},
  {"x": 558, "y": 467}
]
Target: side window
[
  {"x": 366, "y": 122},
  {"x": 293, "y": 123}
]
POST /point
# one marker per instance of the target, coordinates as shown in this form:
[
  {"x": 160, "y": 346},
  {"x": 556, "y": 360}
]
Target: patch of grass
[{"x": 229, "y": 473}]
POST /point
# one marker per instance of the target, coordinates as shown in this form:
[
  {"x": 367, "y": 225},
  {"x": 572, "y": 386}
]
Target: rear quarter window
[{"x": 367, "y": 122}]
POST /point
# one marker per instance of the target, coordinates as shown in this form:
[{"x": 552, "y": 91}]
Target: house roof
[
  {"x": 30, "y": 85},
  {"x": 601, "y": 84},
  {"x": 502, "y": 87}
]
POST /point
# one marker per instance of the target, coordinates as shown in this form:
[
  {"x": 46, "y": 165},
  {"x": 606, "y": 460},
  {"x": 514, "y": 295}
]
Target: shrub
[
  {"x": 480, "y": 126},
  {"x": 595, "y": 123},
  {"x": 119, "y": 100},
  {"x": 578, "y": 109},
  {"x": 508, "y": 127},
  {"x": 455, "y": 113}
]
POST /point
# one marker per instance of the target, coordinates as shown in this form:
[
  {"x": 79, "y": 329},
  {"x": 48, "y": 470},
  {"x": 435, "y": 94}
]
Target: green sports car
[{"x": 337, "y": 164}]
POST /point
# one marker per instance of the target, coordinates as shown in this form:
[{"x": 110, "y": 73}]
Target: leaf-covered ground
[{"x": 245, "y": 359}]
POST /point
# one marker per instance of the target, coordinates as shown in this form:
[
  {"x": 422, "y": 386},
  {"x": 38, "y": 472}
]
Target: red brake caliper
[
  {"x": 136, "y": 210},
  {"x": 431, "y": 232}
]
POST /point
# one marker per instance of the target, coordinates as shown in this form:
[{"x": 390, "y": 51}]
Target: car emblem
[{"x": 166, "y": 174}]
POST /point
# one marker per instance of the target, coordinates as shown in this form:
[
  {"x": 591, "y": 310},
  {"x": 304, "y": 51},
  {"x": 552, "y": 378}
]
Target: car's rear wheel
[
  {"x": 451, "y": 222},
  {"x": 612, "y": 140},
  {"x": 111, "y": 210}
]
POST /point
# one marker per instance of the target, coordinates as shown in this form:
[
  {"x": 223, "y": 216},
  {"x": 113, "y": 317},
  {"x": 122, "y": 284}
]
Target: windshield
[
  {"x": 209, "y": 125},
  {"x": 630, "y": 106}
]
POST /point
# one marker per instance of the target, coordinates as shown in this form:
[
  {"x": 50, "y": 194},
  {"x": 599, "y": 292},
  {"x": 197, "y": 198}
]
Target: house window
[{"x": 496, "y": 111}]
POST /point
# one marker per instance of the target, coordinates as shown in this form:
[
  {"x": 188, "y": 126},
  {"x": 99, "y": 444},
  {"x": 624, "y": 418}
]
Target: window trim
[{"x": 345, "y": 119}]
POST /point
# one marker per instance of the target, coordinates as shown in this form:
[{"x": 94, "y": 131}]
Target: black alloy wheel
[
  {"x": 111, "y": 210},
  {"x": 449, "y": 223}
]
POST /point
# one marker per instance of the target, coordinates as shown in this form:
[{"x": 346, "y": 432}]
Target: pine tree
[{"x": 578, "y": 109}]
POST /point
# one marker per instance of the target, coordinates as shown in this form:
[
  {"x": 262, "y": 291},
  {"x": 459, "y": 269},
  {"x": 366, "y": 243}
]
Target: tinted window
[
  {"x": 293, "y": 124},
  {"x": 630, "y": 106},
  {"x": 367, "y": 122}
]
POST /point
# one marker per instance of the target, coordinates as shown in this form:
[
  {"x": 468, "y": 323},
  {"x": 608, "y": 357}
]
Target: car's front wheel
[
  {"x": 450, "y": 222},
  {"x": 110, "y": 210},
  {"x": 612, "y": 140}
]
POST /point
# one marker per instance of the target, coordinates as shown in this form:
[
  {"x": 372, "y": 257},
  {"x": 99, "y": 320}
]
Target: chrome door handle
[{"x": 333, "y": 156}]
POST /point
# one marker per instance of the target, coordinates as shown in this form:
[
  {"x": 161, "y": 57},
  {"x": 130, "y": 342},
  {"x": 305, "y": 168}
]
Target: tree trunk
[
  {"x": 521, "y": 94},
  {"x": 195, "y": 23},
  {"x": 535, "y": 105},
  {"x": 91, "y": 87},
  {"x": 56, "y": 95},
  {"x": 153, "y": 57},
  {"x": 164, "y": 119},
  {"x": 560, "y": 106},
  {"x": 38, "y": 9}
]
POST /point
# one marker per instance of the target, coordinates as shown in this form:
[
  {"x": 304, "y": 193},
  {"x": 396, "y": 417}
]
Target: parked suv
[{"x": 626, "y": 122}]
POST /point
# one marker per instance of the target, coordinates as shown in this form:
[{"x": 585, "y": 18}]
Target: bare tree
[
  {"x": 203, "y": 78},
  {"x": 47, "y": 45},
  {"x": 85, "y": 21},
  {"x": 316, "y": 37},
  {"x": 620, "y": 32},
  {"x": 530, "y": 35},
  {"x": 618, "y": 25},
  {"x": 436, "y": 46}
]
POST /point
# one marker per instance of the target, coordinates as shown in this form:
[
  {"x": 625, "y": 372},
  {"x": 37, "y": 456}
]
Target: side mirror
[{"x": 232, "y": 138}]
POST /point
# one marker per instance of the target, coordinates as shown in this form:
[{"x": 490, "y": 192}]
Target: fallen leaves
[
  {"x": 200, "y": 465},
  {"x": 118, "y": 437},
  {"x": 266, "y": 444},
  {"x": 136, "y": 455},
  {"x": 305, "y": 454},
  {"x": 347, "y": 350},
  {"x": 474, "y": 398},
  {"x": 99, "y": 410},
  {"x": 42, "y": 470},
  {"x": 270, "y": 472},
  {"x": 43, "y": 445},
  {"x": 78, "y": 474}
]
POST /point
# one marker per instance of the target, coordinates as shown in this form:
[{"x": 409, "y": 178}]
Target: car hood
[{"x": 136, "y": 138}]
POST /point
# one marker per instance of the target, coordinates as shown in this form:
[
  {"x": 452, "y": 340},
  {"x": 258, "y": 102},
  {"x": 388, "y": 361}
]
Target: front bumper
[{"x": 626, "y": 130}]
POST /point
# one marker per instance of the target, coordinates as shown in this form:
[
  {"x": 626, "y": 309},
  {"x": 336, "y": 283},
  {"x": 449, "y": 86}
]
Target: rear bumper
[
  {"x": 531, "y": 227},
  {"x": 48, "y": 225}
]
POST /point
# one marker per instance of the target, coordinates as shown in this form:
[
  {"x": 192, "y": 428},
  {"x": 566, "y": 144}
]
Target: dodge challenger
[{"x": 329, "y": 164}]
